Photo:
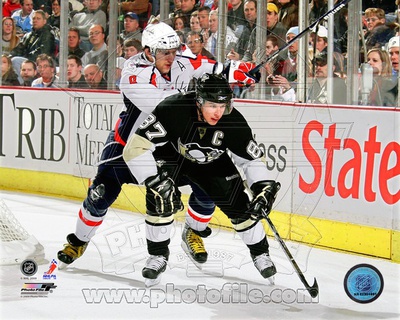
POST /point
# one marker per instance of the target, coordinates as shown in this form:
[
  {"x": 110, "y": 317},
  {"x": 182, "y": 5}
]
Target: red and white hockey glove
[{"x": 237, "y": 71}]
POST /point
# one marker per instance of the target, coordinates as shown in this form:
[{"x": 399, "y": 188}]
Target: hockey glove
[
  {"x": 167, "y": 198},
  {"x": 264, "y": 197},
  {"x": 237, "y": 71}
]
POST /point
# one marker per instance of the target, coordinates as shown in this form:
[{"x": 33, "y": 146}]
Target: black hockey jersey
[{"x": 176, "y": 120}]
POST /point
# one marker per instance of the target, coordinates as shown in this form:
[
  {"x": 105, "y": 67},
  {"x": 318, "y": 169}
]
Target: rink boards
[{"x": 339, "y": 166}]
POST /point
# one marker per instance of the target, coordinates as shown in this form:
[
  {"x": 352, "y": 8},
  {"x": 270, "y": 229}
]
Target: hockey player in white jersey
[
  {"x": 164, "y": 68},
  {"x": 210, "y": 139}
]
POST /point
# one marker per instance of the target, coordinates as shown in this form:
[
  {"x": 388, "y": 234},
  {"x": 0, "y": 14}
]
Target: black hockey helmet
[{"x": 215, "y": 88}]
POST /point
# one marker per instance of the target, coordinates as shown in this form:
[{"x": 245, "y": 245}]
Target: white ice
[{"x": 229, "y": 287}]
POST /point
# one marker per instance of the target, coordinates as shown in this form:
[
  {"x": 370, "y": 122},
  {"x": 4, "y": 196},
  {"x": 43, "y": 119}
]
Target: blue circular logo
[{"x": 363, "y": 283}]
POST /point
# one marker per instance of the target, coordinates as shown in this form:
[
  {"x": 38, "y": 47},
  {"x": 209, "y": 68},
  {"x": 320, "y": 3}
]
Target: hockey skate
[
  {"x": 265, "y": 266},
  {"x": 155, "y": 266},
  {"x": 193, "y": 246},
  {"x": 72, "y": 250}
]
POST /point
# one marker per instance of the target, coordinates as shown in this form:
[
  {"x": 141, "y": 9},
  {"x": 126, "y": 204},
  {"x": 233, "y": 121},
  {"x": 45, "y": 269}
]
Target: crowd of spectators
[{"x": 31, "y": 40}]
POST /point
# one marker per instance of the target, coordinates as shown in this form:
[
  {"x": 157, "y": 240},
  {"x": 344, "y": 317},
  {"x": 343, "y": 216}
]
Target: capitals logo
[{"x": 49, "y": 273}]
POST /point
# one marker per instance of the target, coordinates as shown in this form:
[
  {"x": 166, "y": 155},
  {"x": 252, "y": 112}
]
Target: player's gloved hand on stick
[
  {"x": 167, "y": 197},
  {"x": 264, "y": 197},
  {"x": 238, "y": 71}
]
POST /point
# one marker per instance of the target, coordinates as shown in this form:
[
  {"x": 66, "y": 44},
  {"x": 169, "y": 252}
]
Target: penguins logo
[{"x": 196, "y": 153}]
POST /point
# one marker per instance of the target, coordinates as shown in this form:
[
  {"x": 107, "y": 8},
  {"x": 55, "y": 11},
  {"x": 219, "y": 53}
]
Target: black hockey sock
[
  {"x": 158, "y": 248},
  {"x": 259, "y": 248}
]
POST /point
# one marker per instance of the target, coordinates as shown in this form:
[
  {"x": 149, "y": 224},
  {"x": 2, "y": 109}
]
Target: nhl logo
[{"x": 29, "y": 267}]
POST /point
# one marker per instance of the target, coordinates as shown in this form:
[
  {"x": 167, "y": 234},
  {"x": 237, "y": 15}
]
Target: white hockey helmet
[{"x": 160, "y": 36}]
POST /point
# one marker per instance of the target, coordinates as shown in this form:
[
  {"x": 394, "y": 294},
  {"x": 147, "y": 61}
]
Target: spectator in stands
[
  {"x": 283, "y": 83},
  {"x": 250, "y": 12},
  {"x": 9, "y": 35},
  {"x": 288, "y": 13},
  {"x": 180, "y": 23},
  {"x": 47, "y": 72},
  {"x": 40, "y": 40},
  {"x": 319, "y": 43},
  {"x": 273, "y": 67},
  {"x": 120, "y": 61},
  {"x": 230, "y": 38},
  {"x": 195, "y": 22},
  {"x": 132, "y": 47},
  {"x": 319, "y": 39},
  {"x": 94, "y": 77},
  {"x": 74, "y": 73},
  {"x": 10, "y": 6},
  {"x": 318, "y": 92},
  {"x": 378, "y": 33},
  {"x": 74, "y": 40},
  {"x": 8, "y": 74},
  {"x": 236, "y": 18},
  {"x": 274, "y": 27},
  {"x": 99, "y": 54},
  {"x": 195, "y": 43},
  {"x": 289, "y": 70},
  {"x": 317, "y": 9},
  {"x": 132, "y": 29},
  {"x": 55, "y": 17},
  {"x": 382, "y": 93},
  {"x": 186, "y": 9},
  {"x": 393, "y": 48},
  {"x": 204, "y": 19},
  {"x": 277, "y": 85},
  {"x": 340, "y": 38},
  {"x": 28, "y": 72},
  {"x": 340, "y": 24},
  {"x": 84, "y": 20},
  {"x": 23, "y": 17}
]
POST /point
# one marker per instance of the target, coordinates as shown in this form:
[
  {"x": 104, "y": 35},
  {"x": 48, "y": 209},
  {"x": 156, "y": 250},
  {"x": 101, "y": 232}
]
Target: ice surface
[{"x": 106, "y": 282}]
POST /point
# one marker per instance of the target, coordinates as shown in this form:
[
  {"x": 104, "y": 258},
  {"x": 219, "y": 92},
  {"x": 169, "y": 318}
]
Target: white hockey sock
[
  {"x": 196, "y": 220},
  {"x": 87, "y": 225},
  {"x": 252, "y": 234},
  {"x": 158, "y": 229}
]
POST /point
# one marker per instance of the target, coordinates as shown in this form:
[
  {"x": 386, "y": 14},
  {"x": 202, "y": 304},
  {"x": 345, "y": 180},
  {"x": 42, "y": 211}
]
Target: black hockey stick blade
[
  {"x": 312, "y": 290},
  {"x": 326, "y": 15}
]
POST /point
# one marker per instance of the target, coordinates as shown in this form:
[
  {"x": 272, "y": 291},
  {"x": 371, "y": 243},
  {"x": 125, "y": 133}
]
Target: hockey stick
[
  {"x": 335, "y": 9},
  {"x": 312, "y": 290}
]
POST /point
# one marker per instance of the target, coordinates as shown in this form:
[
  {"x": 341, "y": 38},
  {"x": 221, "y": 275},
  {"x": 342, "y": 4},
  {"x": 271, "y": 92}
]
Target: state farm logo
[{"x": 340, "y": 164}]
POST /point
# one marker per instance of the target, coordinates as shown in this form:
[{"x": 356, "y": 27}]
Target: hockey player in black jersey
[
  {"x": 164, "y": 68},
  {"x": 212, "y": 140}
]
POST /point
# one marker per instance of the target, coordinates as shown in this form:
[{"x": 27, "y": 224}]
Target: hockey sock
[
  {"x": 199, "y": 213},
  {"x": 252, "y": 233},
  {"x": 87, "y": 224}
]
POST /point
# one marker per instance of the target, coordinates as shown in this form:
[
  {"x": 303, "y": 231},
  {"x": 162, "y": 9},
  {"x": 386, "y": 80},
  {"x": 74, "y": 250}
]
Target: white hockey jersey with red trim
[{"x": 143, "y": 86}]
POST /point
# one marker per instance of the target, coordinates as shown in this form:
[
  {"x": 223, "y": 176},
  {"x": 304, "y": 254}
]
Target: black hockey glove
[
  {"x": 264, "y": 197},
  {"x": 163, "y": 191}
]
